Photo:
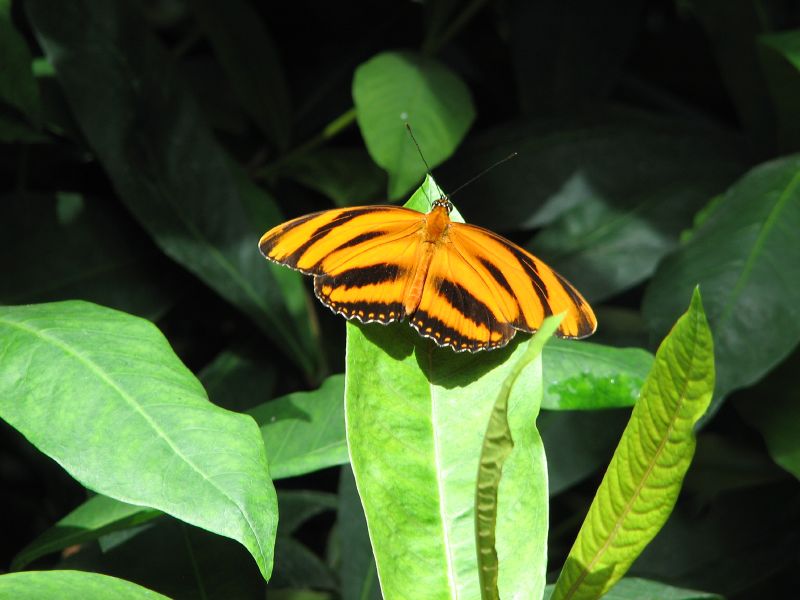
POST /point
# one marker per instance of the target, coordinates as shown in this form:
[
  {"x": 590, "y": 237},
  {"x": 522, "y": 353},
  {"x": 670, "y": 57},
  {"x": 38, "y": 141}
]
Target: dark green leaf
[
  {"x": 780, "y": 57},
  {"x": 168, "y": 170},
  {"x": 746, "y": 258},
  {"x": 246, "y": 51},
  {"x": 238, "y": 382},
  {"x": 72, "y": 248},
  {"x": 357, "y": 571}
]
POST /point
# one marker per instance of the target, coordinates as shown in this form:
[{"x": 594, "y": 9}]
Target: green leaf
[
  {"x": 634, "y": 588},
  {"x": 18, "y": 88},
  {"x": 780, "y": 58},
  {"x": 246, "y": 51},
  {"x": 746, "y": 258},
  {"x": 415, "y": 416},
  {"x": 103, "y": 394},
  {"x": 498, "y": 444},
  {"x": 395, "y": 88},
  {"x": 583, "y": 375},
  {"x": 348, "y": 176},
  {"x": 644, "y": 477},
  {"x": 71, "y": 585},
  {"x": 298, "y": 506},
  {"x": 163, "y": 161},
  {"x": 94, "y": 518},
  {"x": 304, "y": 431},
  {"x": 74, "y": 247}
]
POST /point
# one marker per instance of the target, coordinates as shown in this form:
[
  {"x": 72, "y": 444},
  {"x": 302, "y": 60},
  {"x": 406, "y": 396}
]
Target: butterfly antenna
[
  {"x": 484, "y": 172},
  {"x": 427, "y": 168}
]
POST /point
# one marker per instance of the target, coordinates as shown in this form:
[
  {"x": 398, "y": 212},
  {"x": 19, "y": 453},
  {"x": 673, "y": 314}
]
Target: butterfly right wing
[{"x": 361, "y": 257}]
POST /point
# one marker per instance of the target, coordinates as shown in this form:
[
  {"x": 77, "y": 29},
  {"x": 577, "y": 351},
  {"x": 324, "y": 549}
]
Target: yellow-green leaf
[{"x": 643, "y": 480}]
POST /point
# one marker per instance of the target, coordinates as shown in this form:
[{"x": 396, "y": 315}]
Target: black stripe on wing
[
  {"x": 383, "y": 310},
  {"x": 433, "y": 328}
]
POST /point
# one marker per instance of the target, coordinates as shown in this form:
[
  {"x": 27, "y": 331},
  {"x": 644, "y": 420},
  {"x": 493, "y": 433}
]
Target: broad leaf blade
[
  {"x": 162, "y": 159},
  {"x": 644, "y": 478},
  {"x": 103, "y": 394},
  {"x": 753, "y": 303},
  {"x": 71, "y": 585},
  {"x": 415, "y": 416},
  {"x": 395, "y": 88}
]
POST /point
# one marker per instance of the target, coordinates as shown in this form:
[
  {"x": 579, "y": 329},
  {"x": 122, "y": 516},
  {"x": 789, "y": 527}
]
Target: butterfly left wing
[{"x": 360, "y": 257}]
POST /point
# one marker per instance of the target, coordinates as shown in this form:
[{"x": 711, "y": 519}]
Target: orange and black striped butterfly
[{"x": 460, "y": 285}]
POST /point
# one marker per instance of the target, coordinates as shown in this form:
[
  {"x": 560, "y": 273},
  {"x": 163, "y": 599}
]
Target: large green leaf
[
  {"x": 162, "y": 159},
  {"x": 583, "y": 375},
  {"x": 71, "y": 585},
  {"x": 395, "y": 88},
  {"x": 103, "y": 394},
  {"x": 644, "y": 477},
  {"x": 746, "y": 258},
  {"x": 304, "y": 431},
  {"x": 416, "y": 415},
  {"x": 246, "y": 51},
  {"x": 614, "y": 190},
  {"x": 80, "y": 248}
]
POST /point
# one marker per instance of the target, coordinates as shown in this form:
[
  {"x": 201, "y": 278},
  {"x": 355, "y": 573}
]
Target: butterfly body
[{"x": 460, "y": 285}]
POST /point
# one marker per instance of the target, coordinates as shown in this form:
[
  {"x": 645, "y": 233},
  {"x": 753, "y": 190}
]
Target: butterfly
[{"x": 460, "y": 285}]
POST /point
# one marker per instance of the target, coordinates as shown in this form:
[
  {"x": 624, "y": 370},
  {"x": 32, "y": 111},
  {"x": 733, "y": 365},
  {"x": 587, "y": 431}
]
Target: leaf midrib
[{"x": 101, "y": 374}]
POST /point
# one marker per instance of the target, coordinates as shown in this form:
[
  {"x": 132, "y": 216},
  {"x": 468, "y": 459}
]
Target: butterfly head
[{"x": 444, "y": 202}]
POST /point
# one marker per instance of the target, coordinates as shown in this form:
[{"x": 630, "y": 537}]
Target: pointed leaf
[
  {"x": 746, "y": 258},
  {"x": 642, "y": 482},
  {"x": 103, "y": 394},
  {"x": 395, "y": 88},
  {"x": 634, "y": 588},
  {"x": 416, "y": 415}
]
